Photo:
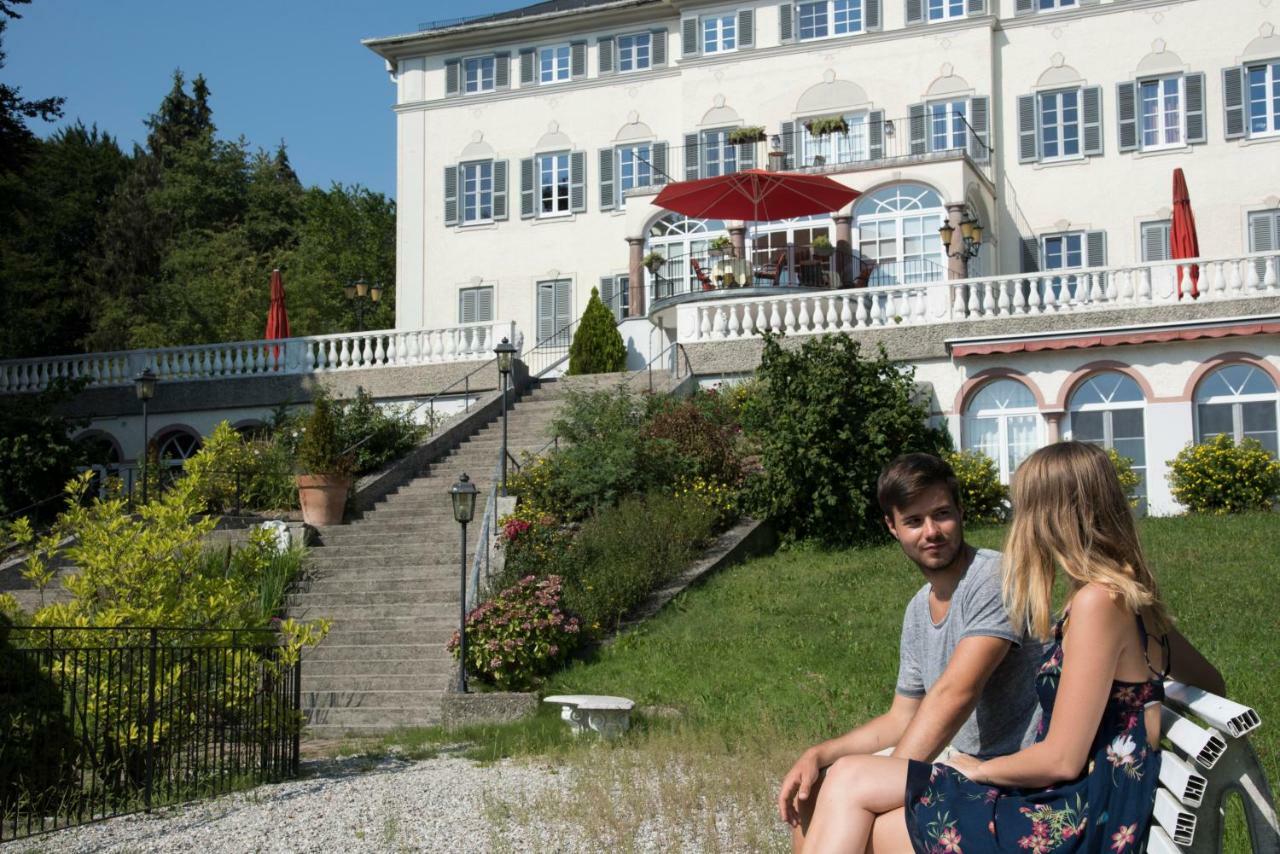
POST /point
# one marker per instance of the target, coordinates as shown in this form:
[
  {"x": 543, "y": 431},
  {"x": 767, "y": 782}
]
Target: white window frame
[
  {"x": 946, "y": 10},
  {"x": 557, "y": 59},
  {"x": 631, "y": 48},
  {"x": 561, "y": 184},
  {"x": 1236, "y": 402},
  {"x": 957, "y": 137},
  {"x": 1059, "y": 135},
  {"x": 479, "y": 193},
  {"x": 1054, "y": 5},
  {"x": 482, "y": 83},
  {"x": 477, "y": 289},
  {"x": 1107, "y": 408},
  {"x": 1001, "y": 416},
  {"x": 641, "y": 163},
  {"x": 851, "y": 147},
  {"x": 719, "y": 33},
  {"x": 717, "y": 140},
  {"x": 1066, "y": 237},
  {"x": 835, "y": 22},
  {"x": 1162, "y": 115},
  {"x": 1271, "y": 91}
]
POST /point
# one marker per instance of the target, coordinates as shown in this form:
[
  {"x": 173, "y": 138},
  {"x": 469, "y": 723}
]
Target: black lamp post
[
  {"x": 360, "y": 293},
  {"x": 970, "y": 235},
  {"x": 463, "y": 494},
  {"x": 505, "y": 350},
  {"x": 145, "y": 385}
]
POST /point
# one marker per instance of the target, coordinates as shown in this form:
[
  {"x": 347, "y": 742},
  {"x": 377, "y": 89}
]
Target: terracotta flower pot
[{"x": 323, "y": 498}]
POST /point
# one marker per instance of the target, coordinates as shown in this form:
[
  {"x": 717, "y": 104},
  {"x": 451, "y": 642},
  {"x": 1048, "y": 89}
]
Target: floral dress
[{"x": 1107, "y": 808}]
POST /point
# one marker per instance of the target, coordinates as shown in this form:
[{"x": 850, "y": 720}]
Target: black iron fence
[{"x": 101, "y": 722}]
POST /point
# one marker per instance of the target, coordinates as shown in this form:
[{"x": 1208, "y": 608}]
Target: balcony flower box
[
  {"x": 740, "y": 136},
  {"x": 827, "y": 125}
]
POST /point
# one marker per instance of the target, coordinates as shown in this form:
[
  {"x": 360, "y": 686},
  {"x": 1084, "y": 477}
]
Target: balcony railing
[
  {"x": 992, "y": 297},
  {"x": 310, "y": 355}
]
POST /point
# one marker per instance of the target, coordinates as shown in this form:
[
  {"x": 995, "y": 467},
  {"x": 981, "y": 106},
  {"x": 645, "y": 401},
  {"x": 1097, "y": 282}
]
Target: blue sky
[{"x": 278, "y": 69}]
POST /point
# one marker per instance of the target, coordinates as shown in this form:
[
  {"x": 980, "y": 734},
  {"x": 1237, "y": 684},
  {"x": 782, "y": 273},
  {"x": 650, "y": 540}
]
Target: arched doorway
[
  {"x": 897, "y": 229},
  {"x": 678, "y": 239}
]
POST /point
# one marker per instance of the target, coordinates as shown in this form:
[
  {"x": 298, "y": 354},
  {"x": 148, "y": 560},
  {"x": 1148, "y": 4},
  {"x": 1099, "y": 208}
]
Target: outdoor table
[{"x": 732, "y": 272}]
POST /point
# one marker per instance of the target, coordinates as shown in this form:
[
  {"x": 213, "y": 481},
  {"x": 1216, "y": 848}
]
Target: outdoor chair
[
  {"x": 775, "y": 274},
  {"x": 703, "y": 278}
]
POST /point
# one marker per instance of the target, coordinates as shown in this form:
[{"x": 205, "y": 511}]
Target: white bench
[
  {"x": 608, "y": 716},
  {"x": 1207, "y": 764}
]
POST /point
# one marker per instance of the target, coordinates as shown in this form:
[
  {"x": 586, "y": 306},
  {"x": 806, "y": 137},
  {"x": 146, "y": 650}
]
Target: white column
[{"x": 1169, "y": 429}]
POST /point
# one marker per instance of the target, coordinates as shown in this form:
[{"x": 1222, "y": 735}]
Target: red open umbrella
[
  {"x": 277, "y": 315},
  {"x": 755, "y": 194},
  {"x": 1183, "y": 242}
]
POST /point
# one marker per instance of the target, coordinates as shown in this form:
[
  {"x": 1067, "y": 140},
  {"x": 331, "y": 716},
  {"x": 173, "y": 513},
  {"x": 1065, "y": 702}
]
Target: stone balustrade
[
  {"x": 991, "y": 297},
  {"x": 310, "y": 355}
]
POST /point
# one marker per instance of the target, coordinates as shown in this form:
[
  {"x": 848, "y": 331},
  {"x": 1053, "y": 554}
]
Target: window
[
  {"x": 1059, "y": 124},
  {"x": 944, "y": 10},
  {"x": 475, "y": 305},
  {"x": 1045, "y": 5},
  {"x": 176, "y": 444},
  {"x": 553, "y": 64},
  {"x": 830, "y": 17},
  {"x": 477, "y": 191},
  {"x": 850, "y": 147},
  {"x": 480, "y": 73},
  {"x": 1263, "y": 98},
  {"x": 1155, "y": 240},
  {"x": 719, "y": 33},
  {"x": 897, "y": 228},
  {"x": 635, "y": 167},
  {"x": 1107, "y": 411},
  {"x": 1161, "y": 101},
  {"x": 635, "y": 52},
  {"x": 553, "y": 184},
  {"x": 720, "y": 157},
  {"x": 1002, "y": 421},
  {"x": 1239, "y": 401},
  {"x": 947, "y": 128},
  {"x": 554, "y": 299},
  {"x": 1063, "y": 251}
]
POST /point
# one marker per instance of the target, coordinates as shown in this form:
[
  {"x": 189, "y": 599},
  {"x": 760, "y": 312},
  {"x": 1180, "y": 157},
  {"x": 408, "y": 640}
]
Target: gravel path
[{"x": 348, "y": 806}]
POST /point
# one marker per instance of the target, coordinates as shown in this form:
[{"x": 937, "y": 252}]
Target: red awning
[{"x": 1084, "y": 342}]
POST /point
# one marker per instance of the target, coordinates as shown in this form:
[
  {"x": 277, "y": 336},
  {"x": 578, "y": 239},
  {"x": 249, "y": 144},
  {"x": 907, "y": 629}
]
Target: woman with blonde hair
[{"x": 1088, "y": 783}]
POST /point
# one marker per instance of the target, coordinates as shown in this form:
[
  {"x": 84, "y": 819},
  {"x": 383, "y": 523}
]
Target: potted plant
[
  {"x": 827, "y": 125},
  {"x": 750, "y": 133},
  {"x": 324, "y": 477},
  {"x": 720, "y": 246},
  {"x": 653, "y": 261},
  {"x": 821, "y": 246}
]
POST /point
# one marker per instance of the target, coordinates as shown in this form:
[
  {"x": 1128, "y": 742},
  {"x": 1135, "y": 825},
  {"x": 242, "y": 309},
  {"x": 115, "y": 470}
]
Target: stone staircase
[{"x": 389, "y": 582}]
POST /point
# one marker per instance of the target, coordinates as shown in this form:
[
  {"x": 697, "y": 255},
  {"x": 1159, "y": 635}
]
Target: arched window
[
  {"x": 100, "y": 449},
  {"x": 678, "y": 238},
  {"x": 898, "y": 230},
  {"x": 1107, "y": 410},
  {"x": 1240, "y": 401},
  {"x": 1003, "y": 422},
  {"x": 176, "y": 445}
]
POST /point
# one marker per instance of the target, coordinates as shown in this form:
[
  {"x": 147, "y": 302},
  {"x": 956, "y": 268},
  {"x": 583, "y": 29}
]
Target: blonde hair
[{"x": 1070, "y": 513}]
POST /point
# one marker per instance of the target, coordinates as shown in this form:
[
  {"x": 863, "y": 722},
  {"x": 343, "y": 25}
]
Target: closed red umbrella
[
  {"x": 277, "y": 315},
  {"x": 1183, "y": 242},
  {"x": 755, "y": 194}
]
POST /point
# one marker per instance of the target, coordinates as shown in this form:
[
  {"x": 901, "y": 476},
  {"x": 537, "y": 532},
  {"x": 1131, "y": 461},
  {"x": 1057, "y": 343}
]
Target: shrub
[
  {"x": 531, "y": 546},
  {"x": 597, "y": 347},
  {"x": 982, "y": 495},
  {"x": 827, "y": 420},
  {"x": 320, "y": 450},
  {"x": 535, "y": 485},
  {"x": 519, "y": 635},
  {"x": 696, "y": 437},
  {"x": 229, "y": 469},
  {"x": 37, "y": 455},
  {"x": 1220, "y": 476},
  {"x": 1129, "y": 479},
  {"x": 604, "y": 459},
  {"x": 378, "y": 434}
]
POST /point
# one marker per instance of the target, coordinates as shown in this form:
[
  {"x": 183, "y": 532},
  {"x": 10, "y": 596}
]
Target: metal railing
[
  {"x": 552, "y": 350},
  {"x": 111, "y": 721},
  {"x": 785, "y": 265}
]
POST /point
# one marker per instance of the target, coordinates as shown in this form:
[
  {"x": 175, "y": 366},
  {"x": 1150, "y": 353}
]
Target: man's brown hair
[{"x": 909, "y": 476}]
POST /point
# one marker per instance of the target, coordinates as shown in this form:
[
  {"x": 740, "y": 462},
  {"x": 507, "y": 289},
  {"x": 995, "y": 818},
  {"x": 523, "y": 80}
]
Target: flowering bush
[
  {"x": 722, "y": 500},
  {"x": 534, "y": 485},
  {"x": 982, "y": 495},
  {"x": 519, "y": 635},
  {"x": 697, "y": 436},
  {"x": 1220, "y": 476},
  {"x": 1129, "y": 479},
  {"x": 531, "y": 545}
]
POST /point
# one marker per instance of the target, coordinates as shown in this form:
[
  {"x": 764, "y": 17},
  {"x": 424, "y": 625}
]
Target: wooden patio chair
[
  {"x": 774, "y": 275},
  {"x": 703, "y": 278}
]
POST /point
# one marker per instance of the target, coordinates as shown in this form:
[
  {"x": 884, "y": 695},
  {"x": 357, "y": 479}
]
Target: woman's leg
[
  {"x": 857, "y": 789},
  {"x": 889, "y": 836}
]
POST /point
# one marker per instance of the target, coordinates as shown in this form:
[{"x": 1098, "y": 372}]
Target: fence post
[
  {"x": 466, "y": 392},
  {"x": 297, "y": 716},
  {"x": 237, "y": 490},
  {"x": 151, "y": 717}
]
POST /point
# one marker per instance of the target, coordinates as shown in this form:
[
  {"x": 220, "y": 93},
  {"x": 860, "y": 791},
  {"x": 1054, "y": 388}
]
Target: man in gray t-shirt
[{"x": 965, "y": 676}]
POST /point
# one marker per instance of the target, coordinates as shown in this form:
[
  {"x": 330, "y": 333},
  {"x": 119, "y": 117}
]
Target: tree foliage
[
  {"x": 597, "y": 346},
  {"x": 827, "y": 420},
  {"x": 37, "y": 456}
]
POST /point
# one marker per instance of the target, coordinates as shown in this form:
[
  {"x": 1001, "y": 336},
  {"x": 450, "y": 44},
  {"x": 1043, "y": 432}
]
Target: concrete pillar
[
  {"x": 844, "y": 250},
  {"x": 635, "y": 270},
  {"x": 957, "y": 268},
  {"x": 1053, "y": 426},
  {"x": 738, "y": 236}
]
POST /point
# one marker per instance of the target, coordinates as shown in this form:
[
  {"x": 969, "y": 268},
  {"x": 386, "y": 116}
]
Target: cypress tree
[{"x": 597, "y": 346}]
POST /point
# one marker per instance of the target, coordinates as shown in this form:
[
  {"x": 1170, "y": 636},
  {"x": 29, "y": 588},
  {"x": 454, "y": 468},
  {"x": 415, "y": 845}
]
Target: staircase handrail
[{"x": 563, "y": 338}]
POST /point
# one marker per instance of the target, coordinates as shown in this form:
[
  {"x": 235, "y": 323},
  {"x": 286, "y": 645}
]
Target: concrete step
[
  {"x": 404, "y": 698},
  {"x": 349, "y": 628},
  {"x": 404, "y": 668},
  {"x": 330, "y": 723},
  {"x": 317, "y": 602},
  {"x": 314, "y": 690},
  {"x": 341, "y": 634},
  {"x": 428, "y": 644},
  {"x": 373, "y": 616},
  {"x": 369, "y": 582},
  {"x": 380, "y": 569},
  {"x": 396, "y": 534}
]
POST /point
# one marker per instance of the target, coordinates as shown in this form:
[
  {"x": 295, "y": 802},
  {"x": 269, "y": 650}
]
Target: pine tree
[{"x": 597, "y": 346}]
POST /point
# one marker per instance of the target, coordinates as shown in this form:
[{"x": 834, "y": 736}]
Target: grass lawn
[{"x": 737, "y": 676}]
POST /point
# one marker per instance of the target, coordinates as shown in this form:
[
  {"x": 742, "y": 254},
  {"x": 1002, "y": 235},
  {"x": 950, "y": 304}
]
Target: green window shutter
[
  {"x": 1095, "y": 248},
  {"x": 1197, "y": 131},
  {"x": 578, "y": 181},
  {"x": 1127, "y": 115},
  {"x": 1024, "y": 7},
  {"x": 915, "y": 12},
  {"x": 528, "y": 61},
  {"x": 451, "y": 195},
  {"x": 789, "y": 144},
  {"x": 452, "y": 78},
  {"x": 546, "y": 310},
  {"x": 605, "y": 49},
  {"x": 1028, "y": 142},
  {"x": 1030, "y": 255},
  {"x": 608, "y": 294},
  {"x": 502, "y": 70},
  {"x": 608, "y": 187},
  {"x": 1091, "y": 120},
  {"x": 747, "y": 28},
  {"x": 976, "y": 7},
  {"x": 690, "y": 38},
  {"x": 786, "y": 23},
  {"x": 658, "y": 47},
  {"x": 875, "y": 134},
  {"x": 578, "y": 59},
  {"x": 660, "y": 172},
  {"x": 919, "y": 129},
  {"x": 980, "y": 121},
  {"x": 499, "y": 190},
  {"x": 871, "y": 15},
  {"x": 692, "y": 166},
  {"x": 1155, "y": 240},
  {"x": 1263, "y": 231},
  {"x": 528, "y": 189},
  {"x": 1233, "y": 102},
  {"x": 746, "y": 155}
]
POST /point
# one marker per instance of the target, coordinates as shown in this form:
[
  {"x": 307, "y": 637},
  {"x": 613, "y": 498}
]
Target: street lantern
[
  {"x": 970, "y": 238},
  {"x": 360, "y": 293},
  {"x": 375, "y": 291},
  {"x": 463, "y": 495},
  {"x": 349, "y": 290},
  {"x": 145, "y": 385},
  {"x": 504, "y": 351}
]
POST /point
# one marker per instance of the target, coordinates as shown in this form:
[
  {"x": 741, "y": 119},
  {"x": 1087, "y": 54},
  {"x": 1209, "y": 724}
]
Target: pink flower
[
  {"x": 1123, "y": 838},
  {"x": 950, "y": 840}
]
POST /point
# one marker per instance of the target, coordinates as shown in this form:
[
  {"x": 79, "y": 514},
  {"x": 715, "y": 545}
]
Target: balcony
[{"x": 1096, "y": 297}]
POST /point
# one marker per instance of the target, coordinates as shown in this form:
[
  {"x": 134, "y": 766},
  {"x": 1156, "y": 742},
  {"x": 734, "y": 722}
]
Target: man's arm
[{"x": 952, "y": 698}]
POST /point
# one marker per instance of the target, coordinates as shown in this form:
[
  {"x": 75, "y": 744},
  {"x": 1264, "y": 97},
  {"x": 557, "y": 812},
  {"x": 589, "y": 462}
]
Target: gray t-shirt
[{"x": 1006, "y": 715}]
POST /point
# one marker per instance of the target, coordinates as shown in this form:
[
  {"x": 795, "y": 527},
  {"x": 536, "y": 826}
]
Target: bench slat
[
  {"x": 1158, "y": 842},
  {"x": 1177, "y": 822},
  {"x": 1206, "y": 746},
  {"x": 1226, "y": 715},
  {"x": 1181, "y": 779}
]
